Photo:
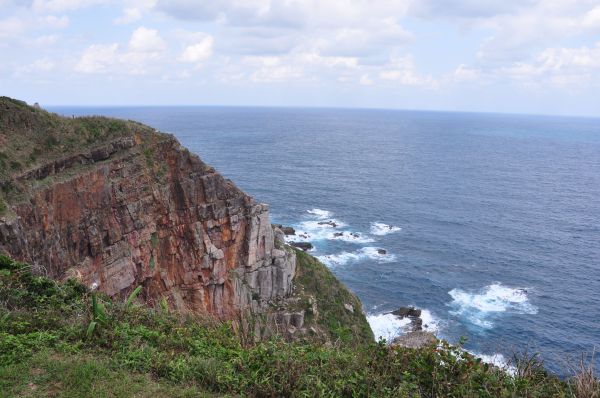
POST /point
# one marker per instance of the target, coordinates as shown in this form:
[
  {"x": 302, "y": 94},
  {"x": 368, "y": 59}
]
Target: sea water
[{"x": 490, "y": 223}]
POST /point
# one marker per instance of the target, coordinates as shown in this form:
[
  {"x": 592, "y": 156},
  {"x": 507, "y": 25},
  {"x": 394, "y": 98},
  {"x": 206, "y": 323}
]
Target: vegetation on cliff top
[
  {"x": 315, "y": 283},
  {"x": 31, "y": 137},
  {"x": 47, "y": 348}
]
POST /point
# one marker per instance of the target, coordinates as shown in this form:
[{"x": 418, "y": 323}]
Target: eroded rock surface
[{"x": 142, "y": 210}]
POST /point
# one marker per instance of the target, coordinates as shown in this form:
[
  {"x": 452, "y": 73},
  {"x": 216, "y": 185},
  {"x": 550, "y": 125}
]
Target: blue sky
[{"x": 527, "y": 56}]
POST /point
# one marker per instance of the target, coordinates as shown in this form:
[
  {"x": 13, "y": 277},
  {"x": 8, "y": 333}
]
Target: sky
[{"x": 517, "y": 56}]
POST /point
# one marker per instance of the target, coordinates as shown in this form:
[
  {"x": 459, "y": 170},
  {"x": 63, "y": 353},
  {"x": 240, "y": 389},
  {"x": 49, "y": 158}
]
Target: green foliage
[
  {"x": 149, "y": 156},
  {"x": 135, "y": 345},
  {"x": 132, "y": 296},
  {"x": 316, "y": 282},
  {"x": 3, "y": 206}
]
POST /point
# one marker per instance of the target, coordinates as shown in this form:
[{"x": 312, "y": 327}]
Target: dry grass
[{"x": 584, "y": 383}]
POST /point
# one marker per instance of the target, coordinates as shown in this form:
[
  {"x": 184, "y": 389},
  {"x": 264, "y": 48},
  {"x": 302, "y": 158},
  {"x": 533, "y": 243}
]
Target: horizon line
[{"x": 317, "y": 107}]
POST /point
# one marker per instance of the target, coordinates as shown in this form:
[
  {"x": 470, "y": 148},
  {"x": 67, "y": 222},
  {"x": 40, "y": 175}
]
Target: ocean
[{"x": 490, "y": 223}]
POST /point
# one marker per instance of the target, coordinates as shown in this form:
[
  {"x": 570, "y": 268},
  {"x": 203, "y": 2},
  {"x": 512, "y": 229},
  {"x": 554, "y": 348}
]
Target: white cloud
[
  {"x": 11, "y": 27},
  {"x": 45, "y": 40},
  {"x": 464, "y": 73},
  {"x": 129, "y": 15},
  {"x": 199, "y": 51},
  {"x": 365, "y": 80},
  {"x": 54, "y": 22},
  {"x": 404, "y": 71},
  {"x": 57, "y": 6},
  {"x": 146, "y": 41},
  {"x": 38, "y": 66},
  {"x": 591, "y": 19},
  {"x": 97, "y": 58}
]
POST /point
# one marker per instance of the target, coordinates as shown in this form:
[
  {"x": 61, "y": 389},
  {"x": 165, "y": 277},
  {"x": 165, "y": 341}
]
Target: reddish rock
[{"x": 132, "y": 213}]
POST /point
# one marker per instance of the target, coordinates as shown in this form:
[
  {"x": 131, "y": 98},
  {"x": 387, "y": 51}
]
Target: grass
[
  {"x": 50, "y": 374},
  {"x": 45, "y": 350},
  {"x": 315, "y": 283},
  {"x": 31, "y": 138}
]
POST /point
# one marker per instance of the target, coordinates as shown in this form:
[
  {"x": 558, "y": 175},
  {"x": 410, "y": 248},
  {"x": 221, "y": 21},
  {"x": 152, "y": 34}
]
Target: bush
[{"x": 41, "y": 315}]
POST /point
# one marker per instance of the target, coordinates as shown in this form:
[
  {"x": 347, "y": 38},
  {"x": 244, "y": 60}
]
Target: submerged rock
[{"x": 381, "y": 251}]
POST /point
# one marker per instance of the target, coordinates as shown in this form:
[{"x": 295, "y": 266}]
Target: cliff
[{"x": 116, "y": 204}]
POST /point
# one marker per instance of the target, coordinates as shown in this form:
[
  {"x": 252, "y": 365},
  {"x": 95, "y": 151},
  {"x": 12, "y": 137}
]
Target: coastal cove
[{"x": 494, "y": 218}]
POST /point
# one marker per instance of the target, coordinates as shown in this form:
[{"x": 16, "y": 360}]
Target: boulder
[
  {"x": 288, "y": 230},
  {"x": 302, "y": 245},
  {"x": 381, "y": 251},
  {"x": 417, "y": 339},
  {"x": 403, "y": 312}
]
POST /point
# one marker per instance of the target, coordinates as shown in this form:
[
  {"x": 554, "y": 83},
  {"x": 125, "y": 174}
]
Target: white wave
[
  {"x": 322, "y": 214},
  {"x": 496, "y": 360},
  {"x": 352, "y": 237},
  {"x": 311, "y": 231},
  {"x": 388, "y": 326},
  {"x": 381, "y": 229},
  {"x": 477, "y": 307},
  {"x": 361, "y": 254},
  {"x": 430, "y": 322}
]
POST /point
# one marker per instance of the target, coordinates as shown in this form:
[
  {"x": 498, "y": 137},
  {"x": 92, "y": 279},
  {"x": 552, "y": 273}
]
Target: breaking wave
[
  {"x": 369, "y": 252},
  {"x": 381, "y": 229},
  {"x": 389, "y": 326},
  {"x": 479, "y": 307},
  {"x": 322, "y": 214}
]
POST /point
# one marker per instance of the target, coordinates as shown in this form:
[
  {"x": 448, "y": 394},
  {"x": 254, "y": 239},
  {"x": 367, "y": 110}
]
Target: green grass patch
[{"x": 45, "y": 350}]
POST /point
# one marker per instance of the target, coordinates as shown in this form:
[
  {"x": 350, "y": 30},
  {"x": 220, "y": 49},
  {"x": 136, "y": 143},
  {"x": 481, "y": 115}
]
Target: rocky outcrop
[
  {"x": 119, "y": 205},
  {"x": 142, "y": 210}
]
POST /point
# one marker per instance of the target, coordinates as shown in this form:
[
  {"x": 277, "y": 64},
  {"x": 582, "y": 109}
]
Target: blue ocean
[{"x": 489, "y": 223}]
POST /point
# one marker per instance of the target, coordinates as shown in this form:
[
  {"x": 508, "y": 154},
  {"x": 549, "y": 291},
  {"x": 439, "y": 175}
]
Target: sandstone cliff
[
  {"x": 135, "y": 208},
  {"x": 117, "y": 205}
]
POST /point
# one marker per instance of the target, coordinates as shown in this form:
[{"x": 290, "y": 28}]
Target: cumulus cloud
[
  {"x": 146, "y": 41},
  {"x": 97, "y": 58},
  {"x": 145, "y": 47},
  {"x": 199, "y": 51}
]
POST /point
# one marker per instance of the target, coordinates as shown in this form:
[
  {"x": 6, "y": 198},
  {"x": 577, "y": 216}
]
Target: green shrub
[{"x": 198, "y": 354}]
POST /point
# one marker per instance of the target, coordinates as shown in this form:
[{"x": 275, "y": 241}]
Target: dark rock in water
[
  {"x": 381, "y": 251},
  {"x": 338, "y": 234},
  {"x": 416, "y": 323},
  {"x": 302, "y": 245},
  {"x": 288, "y": 230},
  {"x": 330, "y": 223},
  {"x": 418, "y": 339},
  {"x": 355, "y": 235},
  {"x": 403, "y": 312}
]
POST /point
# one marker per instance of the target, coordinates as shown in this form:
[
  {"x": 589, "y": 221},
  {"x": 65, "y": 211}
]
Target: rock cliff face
[{"x": 138, "y": 209}]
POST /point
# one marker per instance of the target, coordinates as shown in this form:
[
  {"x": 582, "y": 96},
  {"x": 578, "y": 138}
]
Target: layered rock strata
[{"x": 142, "y": 210}]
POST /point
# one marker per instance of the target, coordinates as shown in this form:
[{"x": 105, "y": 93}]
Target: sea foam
[
  {"x": 387, "y": 326},
  {"x": 322, "y": 214},
  {"x": 368, "y": 252},
  {"x": 381, "y": 229},
  {"x": 478, "y": 307}
]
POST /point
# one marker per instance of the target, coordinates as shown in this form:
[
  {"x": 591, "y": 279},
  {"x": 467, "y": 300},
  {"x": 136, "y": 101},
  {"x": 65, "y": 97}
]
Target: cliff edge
[{"x": 116, "y": 204}]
